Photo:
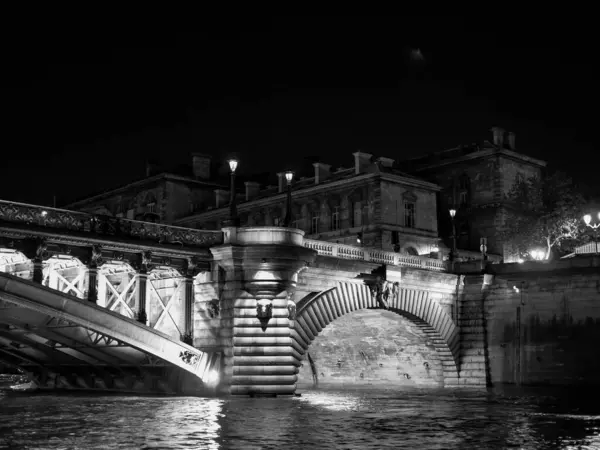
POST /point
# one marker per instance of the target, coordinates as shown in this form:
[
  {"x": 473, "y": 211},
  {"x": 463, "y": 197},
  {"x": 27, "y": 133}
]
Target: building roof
[
  {"x": 466, "y": 152},
  {"x": 141, "y": 183}
]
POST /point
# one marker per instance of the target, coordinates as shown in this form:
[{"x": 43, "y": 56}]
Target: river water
[{"x": 319, "y": 419}]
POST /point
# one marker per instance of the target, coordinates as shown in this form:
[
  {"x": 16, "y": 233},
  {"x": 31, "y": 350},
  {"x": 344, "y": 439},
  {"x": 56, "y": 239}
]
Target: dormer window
[{"x": 151, "y": 207}]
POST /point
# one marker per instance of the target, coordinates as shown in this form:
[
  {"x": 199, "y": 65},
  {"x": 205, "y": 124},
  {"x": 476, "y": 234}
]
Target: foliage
[{"x": 544, "y": 213}]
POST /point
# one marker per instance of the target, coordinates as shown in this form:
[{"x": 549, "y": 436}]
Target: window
[
  {"x": 357, "y": 214},
  {"x": 130, "y": 213},
  {"x": 276, "y": 221},
  {"x": 409, "y": 214},
  {"x": 151, "y": 207},
  {"x": 119, "y": 214},
  {"x": 335, "y": 219},
  {"x": 463, "y": 197},
  {"x": 314, "y": 224}
]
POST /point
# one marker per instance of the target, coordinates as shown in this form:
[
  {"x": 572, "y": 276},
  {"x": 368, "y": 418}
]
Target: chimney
[
  {"x": 385, "y": 162},
  {"x": 511, "y": 140},
  {"x": 252, "y": 190},
  {"x": 221, "y": 198},
  {"x": 282, "y": 181},
  {"x": 361, "y": 161},
  {"x": 322, "y": 172},
  {"x": 498, "y": 136},
  {"x": 201, "y": 166}
]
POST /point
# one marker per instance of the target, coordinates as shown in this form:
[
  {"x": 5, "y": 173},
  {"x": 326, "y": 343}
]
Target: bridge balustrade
[
  {"x": 81, "y": 222},
  {"x": 374, "y": 255}
]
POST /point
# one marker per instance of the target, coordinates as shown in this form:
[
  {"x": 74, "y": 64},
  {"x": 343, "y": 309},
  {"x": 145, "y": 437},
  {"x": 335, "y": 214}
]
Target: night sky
[{"x": 84, "y": 108}]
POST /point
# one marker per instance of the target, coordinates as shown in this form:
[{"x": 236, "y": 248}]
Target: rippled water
[{"x": 350, "y": 419}]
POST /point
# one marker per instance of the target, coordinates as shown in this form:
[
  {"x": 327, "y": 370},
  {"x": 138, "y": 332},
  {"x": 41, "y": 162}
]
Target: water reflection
[{"x": 427, "y": 419}]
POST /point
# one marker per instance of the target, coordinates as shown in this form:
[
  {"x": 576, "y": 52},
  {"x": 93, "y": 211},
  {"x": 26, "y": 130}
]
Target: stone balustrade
[
  {"x": 63, "y": 220},
  {"x": 373, "y": 255}
]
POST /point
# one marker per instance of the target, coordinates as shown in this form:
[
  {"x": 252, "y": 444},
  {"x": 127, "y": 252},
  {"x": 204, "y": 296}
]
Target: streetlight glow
[
  {"x": 233, "y": 165},
  {"x": 289, "y": 175},
  {"x": 452, "y": 213},
  {"x": 587, "y": 219}
]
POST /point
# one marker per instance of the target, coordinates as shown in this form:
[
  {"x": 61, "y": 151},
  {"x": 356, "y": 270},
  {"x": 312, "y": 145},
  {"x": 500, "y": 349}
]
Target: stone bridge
[{"x": 96, "y": 302}]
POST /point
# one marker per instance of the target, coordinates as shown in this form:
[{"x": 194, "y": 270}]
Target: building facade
[
  {"x": 475, "y": 180},
  {"x": 163, "y": 197},
  {"x": 370, "y": 204}
]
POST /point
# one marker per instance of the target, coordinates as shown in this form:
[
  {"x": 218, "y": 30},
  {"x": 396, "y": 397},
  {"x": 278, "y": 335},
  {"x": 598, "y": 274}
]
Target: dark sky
[{"x": 84, "y": 107}]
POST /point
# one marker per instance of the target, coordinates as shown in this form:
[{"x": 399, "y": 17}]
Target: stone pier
[{"x": 255, "y": 273}]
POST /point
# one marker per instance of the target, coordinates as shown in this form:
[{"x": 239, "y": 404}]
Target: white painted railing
[{"x": 373, "y": 255}]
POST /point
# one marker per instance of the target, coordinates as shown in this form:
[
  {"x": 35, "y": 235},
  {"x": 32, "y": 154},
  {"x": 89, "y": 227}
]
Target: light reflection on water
[{"x": 351, "y": 419}]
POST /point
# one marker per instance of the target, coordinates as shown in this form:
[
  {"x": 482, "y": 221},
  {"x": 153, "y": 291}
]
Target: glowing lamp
[
  {"x": 452, "y": 213},
  {"x": 289, "y": 175},
  {"x": 233, "y": 165},
  {"x": 587, "y": 219},
  {"x": 44, "y": 213}
]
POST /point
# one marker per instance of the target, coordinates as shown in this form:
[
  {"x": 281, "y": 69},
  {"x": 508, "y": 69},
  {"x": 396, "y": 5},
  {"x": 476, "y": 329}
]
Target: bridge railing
[
  {"x": 65, "y": 220},
  {"x": 373, "y": 255}
]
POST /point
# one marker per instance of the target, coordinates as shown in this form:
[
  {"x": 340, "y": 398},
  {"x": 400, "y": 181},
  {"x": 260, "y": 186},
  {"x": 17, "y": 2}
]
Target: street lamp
[
  {"x": 289, "y": 175},
  {"x": 453, "y": 252},
  {"x": 233, "y": 217},
  {"x": 594, "y": 226}
]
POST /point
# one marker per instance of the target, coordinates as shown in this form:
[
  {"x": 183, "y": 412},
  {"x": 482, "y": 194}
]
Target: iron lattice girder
[
  {"x": 141, "y": 340},
  {"x": 80, "y": 350}
]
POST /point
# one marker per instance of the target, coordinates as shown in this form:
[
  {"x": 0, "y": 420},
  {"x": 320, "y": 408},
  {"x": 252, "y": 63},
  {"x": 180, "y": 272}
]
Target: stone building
[
  {"x": 474, "y": 180},
  {"x": 371, "y": 204},
  {"x": 376, "y": 202},
  {"x": 159, "y": 197}
]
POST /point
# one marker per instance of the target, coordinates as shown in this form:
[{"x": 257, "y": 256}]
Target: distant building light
[
  {"x": 520, "y": 261},
  {"x": 44, "y": 213}
]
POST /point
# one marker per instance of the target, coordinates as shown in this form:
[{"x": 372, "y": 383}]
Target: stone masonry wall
[
  {"x": 372, "y": 347},
  {"x": 558, "y": 339}
]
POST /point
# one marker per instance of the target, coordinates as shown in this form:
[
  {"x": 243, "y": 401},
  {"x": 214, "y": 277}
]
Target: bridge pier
[{"x": 260, "y": 268}]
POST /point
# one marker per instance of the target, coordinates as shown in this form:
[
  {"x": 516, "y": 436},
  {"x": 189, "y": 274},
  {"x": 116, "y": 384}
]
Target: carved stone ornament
[
  {"x": 384, "y": 291},
  {"x": 213, "y": 309},
  {"x": 264, "y": 312},
  {"x": 40, "y": 250},
  {"x": 145, "y": 262},
  {"x": 62, "y": 220},
  {"x": 291, "y": 307},
  {"x": 191, "y": 266},
  {"x": 96, "y": 259},
  {"x": 188, "y": 357}
]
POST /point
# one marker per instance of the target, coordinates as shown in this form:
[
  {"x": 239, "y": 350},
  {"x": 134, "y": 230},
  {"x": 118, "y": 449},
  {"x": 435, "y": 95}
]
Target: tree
[{"x": 544, "y": 213}]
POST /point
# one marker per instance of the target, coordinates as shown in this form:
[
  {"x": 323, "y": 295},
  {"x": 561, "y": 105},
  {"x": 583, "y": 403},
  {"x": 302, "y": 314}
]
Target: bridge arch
[{"x": 317, "y": 310}]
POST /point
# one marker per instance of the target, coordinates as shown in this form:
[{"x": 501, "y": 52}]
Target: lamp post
[
  {"x": 453, "y": 251},
  {"x": 289, "y": 175},
  {"x": 594, "y": 226},
  {"x": 233, "y": 217}
]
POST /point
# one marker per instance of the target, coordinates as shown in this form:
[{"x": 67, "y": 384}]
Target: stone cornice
[{"x": 296, "y": 195}]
